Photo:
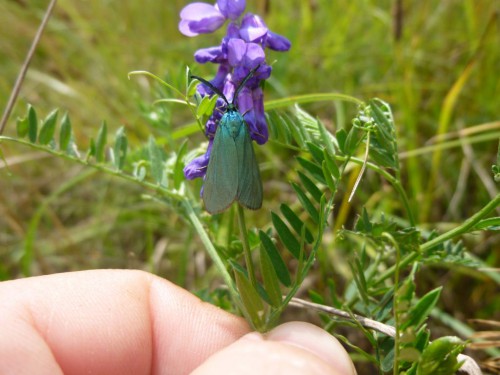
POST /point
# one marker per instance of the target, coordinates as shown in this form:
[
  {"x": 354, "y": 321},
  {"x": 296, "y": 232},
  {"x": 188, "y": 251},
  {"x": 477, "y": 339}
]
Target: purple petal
[
  {"x": 184, "y": 28},
  {"x": 239, "y": 73},
  {"x": 253, "y": 28},
  {"x": 264, "y": 72},
  {"x": 259, "y": 132},
  {"x": 211, "y": 127},
  {"x": 236, "y": 49},
  {"x": 277, "y": 42},
  {"x": 231, "y": 8},
  {"x": 206, "y": 26},
  {"x": 233, "y": 30},
  {"x": 249, "y": 117},
  {"x": 245, "y": 100},
  {"x": 229, "y": 89},
  {"x": 217, "y": 81},
  {"x": 204, "y": 90},
  {"x": 246, "y": 107},
  {"x": 198, "y": 11},
  {"x": 220, "y": 77},
  {"x": 211, "y": 54},
  {"x": 254, "y": 56},
  {"x": 198, "y": 166},
  {"x": 213, "y": 121},
  {"x": 200, "y": 18}
]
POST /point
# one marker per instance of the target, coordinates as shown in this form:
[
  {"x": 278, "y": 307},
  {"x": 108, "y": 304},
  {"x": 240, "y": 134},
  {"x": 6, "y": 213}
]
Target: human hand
[{"x": 131, "y": 322}]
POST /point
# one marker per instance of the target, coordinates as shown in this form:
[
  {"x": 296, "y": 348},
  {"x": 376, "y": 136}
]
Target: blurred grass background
[{"x": 436, "y": 62}]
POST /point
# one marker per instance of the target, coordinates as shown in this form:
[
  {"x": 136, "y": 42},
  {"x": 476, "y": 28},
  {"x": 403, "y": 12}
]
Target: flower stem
[
  {"x": 212, "y": 252},
  {"x": 246, "y": 246}
]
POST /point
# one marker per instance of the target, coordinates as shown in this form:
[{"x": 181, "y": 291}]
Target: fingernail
[{"x": 315, "y": 340}]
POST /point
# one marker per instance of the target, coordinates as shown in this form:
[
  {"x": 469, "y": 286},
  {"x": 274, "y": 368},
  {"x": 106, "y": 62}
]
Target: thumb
[{"x": 292, "y": 348}]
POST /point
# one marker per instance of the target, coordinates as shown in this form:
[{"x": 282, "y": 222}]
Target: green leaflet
[
  {"x": 288, "y": 239},
  {"x": 274, "y": 256},
  {"x": 101, "y": 143},
  {"x": 65, "y": 133},
  {"x": 48, "y": 128},
  {"x": 270, "y": 278},
  {"x": 296, "y": 223},
  {"x": 419, "y": 313},
  {"x": 120, "y": 148},
  {"x": 440, "y": 357},
  {"x": 32, "y": 124},
  {"x": 250, "y": 297}
]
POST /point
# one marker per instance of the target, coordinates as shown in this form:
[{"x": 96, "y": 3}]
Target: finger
[
  {"x": 292, "y": 348},
  {"x": 108, "y": 322}
]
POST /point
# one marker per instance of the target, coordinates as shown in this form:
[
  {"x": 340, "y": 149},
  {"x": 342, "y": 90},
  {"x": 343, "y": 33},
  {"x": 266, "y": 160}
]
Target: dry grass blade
[{"x": 25, "y": 66}]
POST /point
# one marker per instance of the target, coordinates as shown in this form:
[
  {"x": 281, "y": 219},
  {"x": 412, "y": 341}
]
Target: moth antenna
[
  {"x": 244, "y": 113},
  {"x": 245, "y": 80},
  {"x": 212, "y": 87}
]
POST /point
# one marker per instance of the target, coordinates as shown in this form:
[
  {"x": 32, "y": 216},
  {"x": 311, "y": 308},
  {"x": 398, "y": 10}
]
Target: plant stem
[
  {"x": 461, "y": 229},
  {"x": 290, "y": 100},
  {"x": 246, "y": 246},
  {"x": 212, "y": 252},
  {"x": 466, "y": 225}
]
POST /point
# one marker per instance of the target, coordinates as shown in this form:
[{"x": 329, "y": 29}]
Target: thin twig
[
  {"x": 365, "y": 322},
  {"x": 24, "y": 68}
]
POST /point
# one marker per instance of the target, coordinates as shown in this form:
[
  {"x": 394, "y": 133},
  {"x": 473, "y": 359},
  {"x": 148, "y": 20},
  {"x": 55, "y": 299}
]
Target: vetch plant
[
  {"x": 241, "y": 51},
  {"x": 264, "y": 268}
]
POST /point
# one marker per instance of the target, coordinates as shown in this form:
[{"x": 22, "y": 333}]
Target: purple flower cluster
[{"x": 241, "y": 50}]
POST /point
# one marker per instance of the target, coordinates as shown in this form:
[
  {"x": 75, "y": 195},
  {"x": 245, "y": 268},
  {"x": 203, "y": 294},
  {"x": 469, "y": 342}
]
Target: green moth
[{"x": 232, "y": 172}]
